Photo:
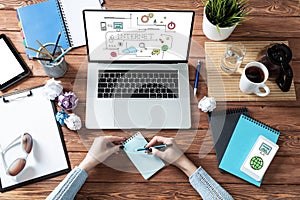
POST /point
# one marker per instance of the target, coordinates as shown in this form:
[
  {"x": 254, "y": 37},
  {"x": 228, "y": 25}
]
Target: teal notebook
[
  {"x": 244, "y": 136},
  {"x": 43, "y": 21},
  {"x": 145, "y": 163}
]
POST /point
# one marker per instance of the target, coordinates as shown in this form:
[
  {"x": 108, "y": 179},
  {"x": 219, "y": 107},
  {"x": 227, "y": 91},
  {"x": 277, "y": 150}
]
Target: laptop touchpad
[{"x": 139, "y": 114}]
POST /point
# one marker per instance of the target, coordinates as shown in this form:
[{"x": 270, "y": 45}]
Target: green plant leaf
[{"x": 226, "y": 13}]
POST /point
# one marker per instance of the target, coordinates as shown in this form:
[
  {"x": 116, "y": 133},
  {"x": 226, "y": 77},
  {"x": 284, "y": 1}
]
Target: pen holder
[{"x": 53, "y": 70}]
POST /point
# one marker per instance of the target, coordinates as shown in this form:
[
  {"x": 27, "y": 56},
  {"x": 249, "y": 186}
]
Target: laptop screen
[{"x": 135, "y": 36}]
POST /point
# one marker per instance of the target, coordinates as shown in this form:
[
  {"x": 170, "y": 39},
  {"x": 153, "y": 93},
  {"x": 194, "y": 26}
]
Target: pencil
[
  {"x": 46, "y": 51},
  {"x": 56, "y": 43},
  {"x": 61, "y": 55},
  {"x": 33, "y": 49}
]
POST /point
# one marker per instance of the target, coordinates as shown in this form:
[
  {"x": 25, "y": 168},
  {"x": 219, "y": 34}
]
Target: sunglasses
[{"x": 18, "y": 164}]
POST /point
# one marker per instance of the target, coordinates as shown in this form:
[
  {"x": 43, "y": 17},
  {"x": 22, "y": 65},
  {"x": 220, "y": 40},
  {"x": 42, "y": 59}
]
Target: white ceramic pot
[{"x": 211, "y": 31}]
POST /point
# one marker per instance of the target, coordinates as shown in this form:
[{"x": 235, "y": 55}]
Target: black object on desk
[
  {"x": 13, "y": 68},
  {"x": 222, "y": 124}
]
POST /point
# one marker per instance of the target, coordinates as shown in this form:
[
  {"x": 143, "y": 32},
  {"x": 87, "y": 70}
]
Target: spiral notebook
[
  {"x": 244, "y": 136},
  {"x": 145, "y": 163},
  {"x": 43, "y": 21},
  {"x": 222, "y": 123}
]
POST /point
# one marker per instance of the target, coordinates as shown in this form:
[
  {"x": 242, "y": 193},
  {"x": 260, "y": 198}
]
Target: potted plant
[{"x": 220, "y": 17}]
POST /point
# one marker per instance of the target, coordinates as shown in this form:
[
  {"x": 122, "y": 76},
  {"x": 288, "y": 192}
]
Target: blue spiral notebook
[
  {"x": 43, "y": 21},
  {"x": 244, "y": 136},
  {"x": 145, "y": 163}
]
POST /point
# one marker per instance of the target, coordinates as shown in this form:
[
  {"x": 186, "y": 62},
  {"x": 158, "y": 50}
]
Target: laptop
[{"x": 137, "y": 74}]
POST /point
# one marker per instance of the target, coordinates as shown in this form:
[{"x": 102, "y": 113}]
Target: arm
[
  {"x": 202, "y": 182},
  {"x": 69, "y": 187},
  {"x": 101, "y": 149},
  {"x": 207, "y": 187}
]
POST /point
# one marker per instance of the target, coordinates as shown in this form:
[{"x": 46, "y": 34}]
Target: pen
[
  {"x": 156, "y": 147},
  {"x": 61, "y": 55},
  {"x": 197, "y": 77},
  {"x": 56, "y": 43},
  {"x": 37, "y": 58},
  {"x": 46, "y": 51}
]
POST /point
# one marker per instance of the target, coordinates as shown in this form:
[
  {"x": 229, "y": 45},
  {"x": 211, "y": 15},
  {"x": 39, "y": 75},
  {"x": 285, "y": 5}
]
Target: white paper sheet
[
  {"x": 72, "y": 11},
  {"x": 34, "y": 115}
]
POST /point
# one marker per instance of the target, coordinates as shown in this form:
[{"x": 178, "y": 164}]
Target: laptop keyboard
[{"x": 138, "y": 84}]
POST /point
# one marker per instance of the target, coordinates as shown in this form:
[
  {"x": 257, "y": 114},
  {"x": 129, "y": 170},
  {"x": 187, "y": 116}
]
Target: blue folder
[
  {"x": 242, "y": 140},
  {"x": 43, "y": 22}
]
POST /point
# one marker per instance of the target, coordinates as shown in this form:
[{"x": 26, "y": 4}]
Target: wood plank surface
[{"x": 269, "y": 20}]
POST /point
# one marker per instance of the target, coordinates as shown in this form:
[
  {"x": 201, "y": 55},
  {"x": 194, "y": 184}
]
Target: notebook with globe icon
[{"x": 244, "y": 136}]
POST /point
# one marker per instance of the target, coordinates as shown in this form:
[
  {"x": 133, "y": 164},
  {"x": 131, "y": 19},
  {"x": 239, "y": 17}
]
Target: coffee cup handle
[{"x": 258, "y": 92}]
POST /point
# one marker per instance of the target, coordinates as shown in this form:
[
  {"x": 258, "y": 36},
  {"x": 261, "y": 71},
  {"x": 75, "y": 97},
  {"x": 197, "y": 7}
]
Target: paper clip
[{"x": 16, "y": 96}]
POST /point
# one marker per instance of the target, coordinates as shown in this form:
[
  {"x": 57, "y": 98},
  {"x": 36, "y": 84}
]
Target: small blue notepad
[
  {"x": 244, "y": 136},
  {"x": 145, "y": 163}
]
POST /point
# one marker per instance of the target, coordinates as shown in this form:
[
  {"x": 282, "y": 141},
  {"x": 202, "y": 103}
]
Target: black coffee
[{"x": 255, "y": 74}]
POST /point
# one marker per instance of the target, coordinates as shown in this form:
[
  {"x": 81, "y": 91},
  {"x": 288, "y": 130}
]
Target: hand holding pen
[
  {"x": 161, "y": 146},
  {"x": 171, "y": 154}
]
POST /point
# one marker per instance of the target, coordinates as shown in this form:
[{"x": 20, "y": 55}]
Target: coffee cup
[{"x": 253, "y": 79}]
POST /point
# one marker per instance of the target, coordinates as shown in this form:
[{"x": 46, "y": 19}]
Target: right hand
[
  {"x": 172, "y": 154},
  {"x": 169, "y": 154}
]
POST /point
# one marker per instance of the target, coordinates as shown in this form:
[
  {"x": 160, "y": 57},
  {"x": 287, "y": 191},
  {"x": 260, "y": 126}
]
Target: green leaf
[{"x": 226, "y": 13}]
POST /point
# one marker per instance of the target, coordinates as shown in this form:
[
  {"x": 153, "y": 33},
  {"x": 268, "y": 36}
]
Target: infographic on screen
[{"x": 138, "y": 35}]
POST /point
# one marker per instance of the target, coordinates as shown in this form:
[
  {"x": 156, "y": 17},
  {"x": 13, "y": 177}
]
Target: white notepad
[
  {"x": 146, "y": 164},
  {"x": 72, "y": 13}
]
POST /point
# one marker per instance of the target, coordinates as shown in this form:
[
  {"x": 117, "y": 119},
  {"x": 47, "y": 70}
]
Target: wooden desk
[{"x": 271, "y": 20}]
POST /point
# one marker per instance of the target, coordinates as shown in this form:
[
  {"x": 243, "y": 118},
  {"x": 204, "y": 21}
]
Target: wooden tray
[{"x": 225, "y": 87}]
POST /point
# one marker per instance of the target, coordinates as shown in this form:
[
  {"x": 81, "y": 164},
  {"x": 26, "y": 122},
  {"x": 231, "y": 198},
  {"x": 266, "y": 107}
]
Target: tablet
[{"x": 12, "y": 66}]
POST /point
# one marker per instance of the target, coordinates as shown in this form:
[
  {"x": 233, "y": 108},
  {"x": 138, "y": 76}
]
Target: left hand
[{"x": 101, "y": 149}]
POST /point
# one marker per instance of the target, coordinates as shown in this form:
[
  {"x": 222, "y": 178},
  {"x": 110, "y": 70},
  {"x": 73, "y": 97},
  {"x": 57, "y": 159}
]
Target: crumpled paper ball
[
  {"x": 73, "y": 122},
  {"x": 52, "y": 89},
  {"x": 207, "y": 104},
  {"x": 68, "y": 101},
  {"x": 61, "y": 116}
]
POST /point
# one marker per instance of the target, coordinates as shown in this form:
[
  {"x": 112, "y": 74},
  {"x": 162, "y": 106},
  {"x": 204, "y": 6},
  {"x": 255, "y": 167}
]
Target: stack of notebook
[
  {"x": 222, "y": 125},
  {"x": 235, "y": 139}
]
